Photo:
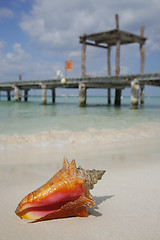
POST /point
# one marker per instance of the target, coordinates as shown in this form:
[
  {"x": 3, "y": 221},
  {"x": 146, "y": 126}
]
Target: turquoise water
[{"x": 32, "y": 117}]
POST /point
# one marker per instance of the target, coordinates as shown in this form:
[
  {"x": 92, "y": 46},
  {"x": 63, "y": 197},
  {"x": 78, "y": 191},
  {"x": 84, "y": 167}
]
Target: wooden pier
[
  {"x": 105, "y": 40},
  {"x": 135, "y": 82}
]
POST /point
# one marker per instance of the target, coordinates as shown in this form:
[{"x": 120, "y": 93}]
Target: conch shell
[{"x": 66, "y": 194}]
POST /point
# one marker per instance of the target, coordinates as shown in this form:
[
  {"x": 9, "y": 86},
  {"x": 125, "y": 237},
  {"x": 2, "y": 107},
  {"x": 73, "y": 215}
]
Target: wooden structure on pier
[{"x": 108, "y": 39}]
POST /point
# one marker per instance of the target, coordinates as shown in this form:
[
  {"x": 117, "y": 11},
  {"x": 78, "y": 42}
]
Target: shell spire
[
  {"x": 95, "y": 176},
  {"x": 66, "y": 194},
  {"x": 92, "y": 176}
]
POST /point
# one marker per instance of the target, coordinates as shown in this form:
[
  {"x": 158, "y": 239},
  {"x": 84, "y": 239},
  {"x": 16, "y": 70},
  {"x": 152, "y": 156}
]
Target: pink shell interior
[{"x": 51, "y": 203}]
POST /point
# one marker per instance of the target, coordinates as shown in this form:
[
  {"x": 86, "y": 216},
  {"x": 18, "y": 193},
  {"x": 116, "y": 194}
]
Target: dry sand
[{"x": 128, "y": 196}]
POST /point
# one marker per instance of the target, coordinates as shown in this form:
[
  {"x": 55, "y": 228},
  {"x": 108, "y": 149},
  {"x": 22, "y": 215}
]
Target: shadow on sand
[{"x": 98, "y": 201}]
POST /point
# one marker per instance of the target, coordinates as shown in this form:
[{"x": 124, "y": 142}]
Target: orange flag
[{"x": 68, "y": 65}]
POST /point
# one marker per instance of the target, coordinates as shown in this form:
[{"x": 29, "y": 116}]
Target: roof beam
[{"x": 96, "y": 45}]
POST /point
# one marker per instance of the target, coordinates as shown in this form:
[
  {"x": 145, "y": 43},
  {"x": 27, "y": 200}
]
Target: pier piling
[
  {"x": 82, "y": 95},
  {"x": 134, "y": 93},
  {"x": 109, "y": 96},
  {"x": 44, "y": 93},
  {"x": 19, "y": 95},
  {"x": 53, "y": 95},
  {"x": 16, "y": 93},
  {"x": 9, "y": 95},
  {"x": 142, "y": 95},
  {"x": 117, "y": 97},
  {"x": 25, "y": 95}
]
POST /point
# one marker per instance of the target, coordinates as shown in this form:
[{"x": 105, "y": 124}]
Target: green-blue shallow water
[{"x": 32, "y": 117}]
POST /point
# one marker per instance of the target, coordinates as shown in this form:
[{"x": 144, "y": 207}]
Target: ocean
[{"x": 65, "y": 120}]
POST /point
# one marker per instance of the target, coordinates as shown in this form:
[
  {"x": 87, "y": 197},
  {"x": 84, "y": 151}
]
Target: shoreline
[{"x": 89, "y": 134}]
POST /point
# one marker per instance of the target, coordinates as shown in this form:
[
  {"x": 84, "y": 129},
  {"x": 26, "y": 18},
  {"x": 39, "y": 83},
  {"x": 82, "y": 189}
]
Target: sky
[{"x": 37, "y": 37}]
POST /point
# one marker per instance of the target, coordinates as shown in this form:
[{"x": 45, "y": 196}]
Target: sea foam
[{"x": 64, "y": 137}]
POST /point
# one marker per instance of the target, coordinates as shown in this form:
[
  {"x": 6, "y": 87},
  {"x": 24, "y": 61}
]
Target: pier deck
[{"x": 121, "y": 81}]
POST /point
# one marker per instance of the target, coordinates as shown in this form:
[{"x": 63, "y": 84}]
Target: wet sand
[{"x": 127, "y": 197}]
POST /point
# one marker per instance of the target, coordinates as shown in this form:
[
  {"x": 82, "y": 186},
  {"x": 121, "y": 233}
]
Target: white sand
[{"x": 128, "y": 197}]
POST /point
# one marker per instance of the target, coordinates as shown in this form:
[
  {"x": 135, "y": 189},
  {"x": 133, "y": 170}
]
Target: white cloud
[
  {"x": 5, "y": 13},
  {"x": 18, "y": 62},
  {"x": 11, "y": 62}
]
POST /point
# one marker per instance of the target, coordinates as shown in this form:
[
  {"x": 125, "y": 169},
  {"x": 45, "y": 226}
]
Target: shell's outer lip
[{"x": 71, "y": 209}]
